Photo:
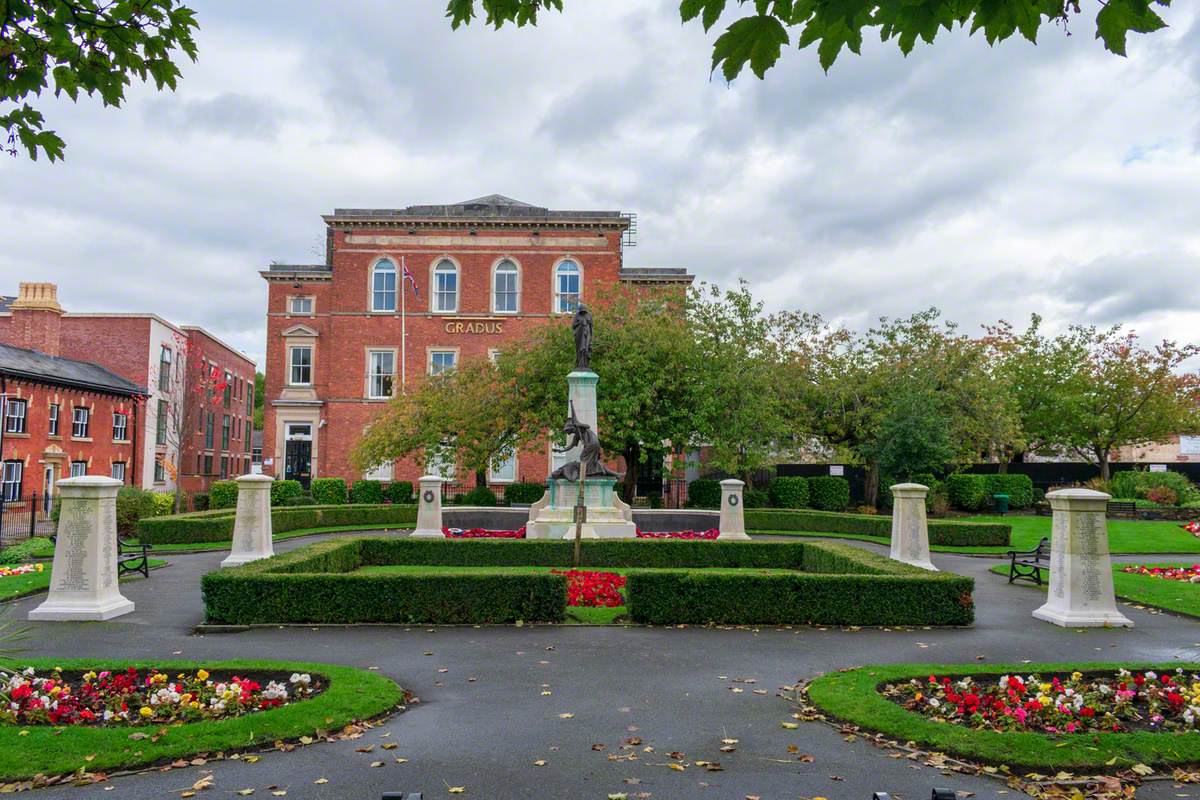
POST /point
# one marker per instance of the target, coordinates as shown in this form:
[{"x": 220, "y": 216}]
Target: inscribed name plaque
[
  {"x": 910, "y": 528},
  {"x": 83, "y": 582},
  {"x": 429, "y": 508},
  {"x": 252, "y": 530},
  {"x": 1081, "y": 583},
  {"x": 733, "y": 519}
]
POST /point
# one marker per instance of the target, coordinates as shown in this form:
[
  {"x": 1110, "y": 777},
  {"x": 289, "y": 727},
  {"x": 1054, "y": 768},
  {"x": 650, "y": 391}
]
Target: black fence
[
  {"x": 1044, "y": 474},
  {"x": 25, "y": 517}
]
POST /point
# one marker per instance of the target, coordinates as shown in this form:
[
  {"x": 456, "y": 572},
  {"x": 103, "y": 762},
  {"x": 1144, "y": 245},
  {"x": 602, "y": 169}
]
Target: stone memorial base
[
  {"x": 65, "y": 610},
  {"x": 553, "y": 517}
]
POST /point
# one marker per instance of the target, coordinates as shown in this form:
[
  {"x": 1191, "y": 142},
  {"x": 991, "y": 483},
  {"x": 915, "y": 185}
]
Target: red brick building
[
  {"x": 485, "y": 270},
  {"x": 61, "y": 417},
  {"x": 171, "y": 362}
]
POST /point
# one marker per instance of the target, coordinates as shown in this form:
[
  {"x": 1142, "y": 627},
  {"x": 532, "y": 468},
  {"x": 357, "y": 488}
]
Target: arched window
[
  {"x": 566, "y": 287},
  {"x": 383, "y": 286},
  {"x": 505, "y": 291},
  {"x": 445, "y": 286}
]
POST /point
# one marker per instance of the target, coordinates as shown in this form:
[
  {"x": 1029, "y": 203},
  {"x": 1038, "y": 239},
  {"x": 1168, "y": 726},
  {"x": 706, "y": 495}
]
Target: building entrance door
[{"x": 297, "y": 461}]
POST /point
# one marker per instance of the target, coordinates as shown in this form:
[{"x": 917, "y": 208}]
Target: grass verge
[
  {"x": 1177, "y": 596},
  {"x": 16, "y": 586},
  {"x": 852, "y": 696},
  {"x": 351, "y": 694}
]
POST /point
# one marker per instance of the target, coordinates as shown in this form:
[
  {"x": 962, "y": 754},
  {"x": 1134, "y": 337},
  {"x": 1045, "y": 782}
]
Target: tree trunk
[
  {"x": 632, "y": 456},
  {"x": 1103, "y": 460},
  {"x": 871, "y": 485},
  {"x": 481, "y": 477}
]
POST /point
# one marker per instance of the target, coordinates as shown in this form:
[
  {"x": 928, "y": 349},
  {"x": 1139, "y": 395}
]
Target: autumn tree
[
  {"x": 91, "y": 47},
  {"x": 757, "y": 38}
]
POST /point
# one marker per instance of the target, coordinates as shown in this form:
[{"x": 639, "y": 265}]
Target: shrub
[
  {"x": 828, "y": 493},
  {"x": 1163, "y": 495},
  {"x": 479, "y": 496},
  {"x": 328, "y": 491},
  {"x": 788, "y": 492},
  {"x": 966, "y": 491},
  {"x": 1039, "y": 495},
  {"x": 222, "y": 494},
  {"x": 947, "y": 533},
  {"x": 217, "y": 526},
  {"x": 366, "y": 491},
  {"x": 200, "y": 501},
  {"x": 1134, "y": 484},
  {"x": 282, "y": 490},
  {"x": 704, "y": 493},
  {"x": 164, "y": 503},
  {"x": 523, "y": 493},
  {"x": 132, "y": 505},
  {"x": 751, "y": 498},
  {"x": 399, "y": 492},
  {"x": 1019, "y": 489}
]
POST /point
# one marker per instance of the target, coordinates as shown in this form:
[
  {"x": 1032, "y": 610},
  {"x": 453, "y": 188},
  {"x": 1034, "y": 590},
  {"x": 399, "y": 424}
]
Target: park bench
[
  {"x": 131, "y": 557},
  {"x": 1028, "y": 564},
  {"x": 1122, "y": 508},
  {"x": 1042, "y": 509}
]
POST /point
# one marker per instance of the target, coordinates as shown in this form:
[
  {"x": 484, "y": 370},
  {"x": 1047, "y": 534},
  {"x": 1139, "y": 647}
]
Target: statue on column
[
  {"x": 581, "y": 326},
  {"x": 589, "y": 464}
]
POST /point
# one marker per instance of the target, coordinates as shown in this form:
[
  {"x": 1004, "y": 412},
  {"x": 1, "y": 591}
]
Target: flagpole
[{"x": 403, "y": 328}]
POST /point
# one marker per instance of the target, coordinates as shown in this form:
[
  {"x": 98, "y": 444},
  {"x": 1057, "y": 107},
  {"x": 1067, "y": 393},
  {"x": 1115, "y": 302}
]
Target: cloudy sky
[{"x": 991, "y": 182}]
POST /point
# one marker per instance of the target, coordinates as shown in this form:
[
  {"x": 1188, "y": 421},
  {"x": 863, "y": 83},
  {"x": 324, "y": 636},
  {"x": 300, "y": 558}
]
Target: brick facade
[{"x": 341, "y": 327}]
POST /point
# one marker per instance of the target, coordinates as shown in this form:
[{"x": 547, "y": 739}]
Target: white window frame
[
  {"x": 381, "y": 268},
  {"x": 78, "y": 469},
  {"x": 292, "y": 365},
  {"x": 498, "y": 475},
  {"x": 372, "y": 375},
  {"x": 437, "y": 295},
  {"x": 114, "y": 470},
  {"x": 493, "y": 354},
  {"x": 12, "y": 474},
  {"x": 441, "y": 351},
  {"x": 164, "y": 368},
  {"x": 556, "y": 286},
  {"x": 76, "y": 421},
  {"x": 506, "y": 266},
  {"x": 307, "y": 300},
  {"x": 123, "y": 428},
  {"x": 16, "y": 415},
  {"x": 52, "y": 417},
  {"x": 160, "y": 471}
]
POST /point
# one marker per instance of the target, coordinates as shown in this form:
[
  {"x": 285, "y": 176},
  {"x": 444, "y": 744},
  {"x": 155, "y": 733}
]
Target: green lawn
[
  {"x": 351, "y": 695},
  {"x": 15, "y": 586},
  {"x": 1124, "y": 536},
  {"x": 1183, "y": 598}
]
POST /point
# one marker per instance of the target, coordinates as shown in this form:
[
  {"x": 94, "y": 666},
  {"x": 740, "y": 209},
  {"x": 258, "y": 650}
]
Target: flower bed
[
  {"x": 21, "y": 569},
  {"x": 483, "y": 533},
  {"x": 130, "y": 697},
  {"x": 1074, "y": 703},
  {"x": 1192, "y": 527},
  {"x": 593, "y": 589},
  {"x": 1184, "y": 574},
  {"x": 711, "y": 533}
]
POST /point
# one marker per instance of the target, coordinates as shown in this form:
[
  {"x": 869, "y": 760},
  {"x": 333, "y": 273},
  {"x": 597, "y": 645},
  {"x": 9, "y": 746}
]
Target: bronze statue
[
  {"x": 581, "y": 325},
  {"x": 580, "y": 433}
]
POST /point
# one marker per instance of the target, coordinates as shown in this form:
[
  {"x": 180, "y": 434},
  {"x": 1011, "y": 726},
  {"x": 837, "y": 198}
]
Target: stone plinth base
[
  {"x": 62, "y": 611},
  {"x": 1076, "y": 619},
  {"x": 553, "y": 517}
]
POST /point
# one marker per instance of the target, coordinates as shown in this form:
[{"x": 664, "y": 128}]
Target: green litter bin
[{"x": 1001, "y": 503}]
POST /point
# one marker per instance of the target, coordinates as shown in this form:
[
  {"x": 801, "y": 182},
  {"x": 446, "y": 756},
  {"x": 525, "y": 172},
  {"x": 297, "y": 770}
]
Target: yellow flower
[
  {"x": 89, "y": 676},
  {"x": 1045, "y": 687},
  {"x": 186, "y": 698},
  {"x": 1043, "y": 699},
  {"x": 202, "y": 675},
  {"x": 56, "y": 690},
  {"x": 146, "y": 711},
  {"x": 919, "y": 695},
  {"x": 40, "y": 567},
  {"x": 194, "y": 704},
  {"x": 1076, "y": 676}
]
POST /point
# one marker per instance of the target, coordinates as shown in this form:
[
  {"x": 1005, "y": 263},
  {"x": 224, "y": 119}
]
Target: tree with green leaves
[
  {"x": 757, "y": 38},
  {"x": 260, "y": 399},
  {"x": 93, "y": 47}
]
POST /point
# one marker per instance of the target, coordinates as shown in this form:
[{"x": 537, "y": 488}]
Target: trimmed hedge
[
  {"x": 366, "y": 491},
  {"x": 704, "y": 493},
  {"x": 479, "y": 496},
  {"x": 944, "y": 532},
  {"x": 283, "y": 491},
  {"x": 133, "y": 504},
  {"x": 828, "y": 493},
  {"x": 1019, "y": 489},
  {"x": 328, "y": 491},
  {"x": 523, "y": 493},
  {"x": 218, "y": 526},
  {"x": 223, "y": 494},
  {"x": 400, "y": 492},
  {"x": 318, "y": 584},
  {"x": 788, "y": 492},
  {"x": 972, "y": 492},
  {"x": 751, "y": 498}
]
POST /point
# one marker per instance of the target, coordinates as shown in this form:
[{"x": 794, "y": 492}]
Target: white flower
[
  {"x": 933, "y": 701},
  {"x": 1151, "y": 676}
]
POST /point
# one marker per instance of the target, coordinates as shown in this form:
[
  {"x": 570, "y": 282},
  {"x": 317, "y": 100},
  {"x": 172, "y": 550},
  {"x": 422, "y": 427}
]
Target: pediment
[{"x": 300, "y": 330}]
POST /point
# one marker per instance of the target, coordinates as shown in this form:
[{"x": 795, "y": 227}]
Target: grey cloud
[
  {"x": 1124, "y": 287},
  {"x": 231, "y": 114}
]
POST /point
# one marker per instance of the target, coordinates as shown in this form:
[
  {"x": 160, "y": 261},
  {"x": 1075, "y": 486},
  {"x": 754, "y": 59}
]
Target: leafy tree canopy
[
  {"x": 82, "y": 46},
  {"x": 757, "y": 39}
]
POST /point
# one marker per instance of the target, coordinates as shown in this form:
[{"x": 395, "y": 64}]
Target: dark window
[
  {"x": 224, "y": 467},
  {"x": 225, "y": 423},
  {"x": 160, "y": 424},
  {"x": 208, "y": 465},
  {"x": 54, "y": 419},
  {"x": 164, "y": 369},
  {"x": 208, "y": 429}
]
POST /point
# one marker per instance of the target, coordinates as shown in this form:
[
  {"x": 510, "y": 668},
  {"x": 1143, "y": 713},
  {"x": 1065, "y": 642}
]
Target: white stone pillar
[
  {"x": 252, "y": 523},
  {"x": 733, "y": 521},
  {"x": 429, "y": 509},
  {"x": 910, "y": 530},
  {"x": 83, "y": 584},
  {"x": 1081, "y": 582}
]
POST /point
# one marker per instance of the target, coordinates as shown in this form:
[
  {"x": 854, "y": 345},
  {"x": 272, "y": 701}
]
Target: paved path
[{"x": 669, "y": 687}]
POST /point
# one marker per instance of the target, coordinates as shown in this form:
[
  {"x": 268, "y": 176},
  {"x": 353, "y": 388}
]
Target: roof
[
  {"x": 229, "y": 347},
  {"x": 33, "y": 365},
  {"x": 6, "y": 301},
  {"x": 655, "y": 275},
  {"x": 489, "y": 207},
  {"x": 297, "y": 272}
]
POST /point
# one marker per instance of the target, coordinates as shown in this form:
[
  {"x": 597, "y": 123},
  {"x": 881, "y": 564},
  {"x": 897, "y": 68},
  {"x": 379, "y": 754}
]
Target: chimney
[{"x": 36, "y": 317}]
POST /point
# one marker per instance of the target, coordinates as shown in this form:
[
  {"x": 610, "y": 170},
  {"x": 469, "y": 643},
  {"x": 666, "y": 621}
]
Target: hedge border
[
  {"x": 351, "y": 694},
  {"x": 853, "y": 696},
  {"x": 317, "y": 584},
  {"x": 946, "y": 533},
  {"x": 213, "y": 527}
]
